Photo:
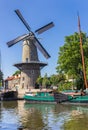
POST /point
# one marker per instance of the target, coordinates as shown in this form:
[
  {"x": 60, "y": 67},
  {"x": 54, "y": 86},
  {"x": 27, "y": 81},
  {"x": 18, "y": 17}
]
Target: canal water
[{"x": 18, "y": 114}]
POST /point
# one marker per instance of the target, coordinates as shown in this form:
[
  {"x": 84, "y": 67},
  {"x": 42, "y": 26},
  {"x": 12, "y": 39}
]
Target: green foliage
[
  {"x": 56, "y": 79},
  {"x": 39, "y": 80},
  {"x": 17, "y": 72},
  {"x": 65, "y": 86},
  {"x": 79, "y": 83},
  {"x": 1, "y": 78},
  {"x": 1, "y": 75},
  {"x": 46, "y": 81},
  {"x": 69, "y": 59}
]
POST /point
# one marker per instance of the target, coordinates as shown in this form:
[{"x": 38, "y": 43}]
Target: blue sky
[{"x": 38, "y": 13}]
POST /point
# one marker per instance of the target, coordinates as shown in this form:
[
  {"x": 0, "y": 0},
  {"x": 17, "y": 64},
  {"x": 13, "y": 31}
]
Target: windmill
[{"x": 30, "y": 66}]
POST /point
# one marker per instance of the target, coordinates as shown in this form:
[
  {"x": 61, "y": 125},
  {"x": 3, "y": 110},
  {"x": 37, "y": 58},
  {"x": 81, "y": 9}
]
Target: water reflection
[
  {"x": 37, "y": 116},
  {"x": 45, "y": 116},
  {"x": 8, "y": 116},
  {"x": 42, "y": 116},
  {"x": 78, "y": 119}
]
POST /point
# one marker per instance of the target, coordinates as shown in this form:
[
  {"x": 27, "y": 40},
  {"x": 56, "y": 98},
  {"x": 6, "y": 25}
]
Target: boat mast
[{"x": 82, "y": 53}]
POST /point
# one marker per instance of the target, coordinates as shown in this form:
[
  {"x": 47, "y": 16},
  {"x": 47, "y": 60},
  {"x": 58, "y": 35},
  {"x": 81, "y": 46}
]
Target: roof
[{"x": 12, "y": 78}]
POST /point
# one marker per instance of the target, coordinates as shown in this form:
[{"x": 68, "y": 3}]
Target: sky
[{"x": 39, "y": 13}]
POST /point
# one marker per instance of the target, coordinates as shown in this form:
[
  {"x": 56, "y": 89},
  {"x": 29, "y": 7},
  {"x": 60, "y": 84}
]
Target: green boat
[
  {"x": 83, "y": 100},
  {"x": 40, "y": 96},
  {"x": 76, "y": 97}
]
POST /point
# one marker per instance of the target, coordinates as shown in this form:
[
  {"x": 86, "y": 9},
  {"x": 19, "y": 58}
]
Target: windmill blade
[
  {"x": 41, "y": 48},
  {"x": 45, "y": 28},
  {"x": 22, "y": 19},
  {"x": 11, "y": 43}
]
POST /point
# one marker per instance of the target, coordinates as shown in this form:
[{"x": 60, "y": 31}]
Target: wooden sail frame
[{"x": 82, "y": 53}]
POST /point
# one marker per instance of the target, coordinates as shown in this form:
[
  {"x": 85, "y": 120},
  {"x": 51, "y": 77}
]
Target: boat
[
  {"x": 74, "y": 97},
  {"x": 8, "y": 96},
  {"x": 78, "y": 99},
  {"x": 40, "y": 96}
]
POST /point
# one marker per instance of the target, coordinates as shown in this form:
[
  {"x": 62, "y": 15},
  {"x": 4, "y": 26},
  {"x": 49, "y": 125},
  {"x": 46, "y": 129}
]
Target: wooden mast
[{"x": 82, "y": 53}]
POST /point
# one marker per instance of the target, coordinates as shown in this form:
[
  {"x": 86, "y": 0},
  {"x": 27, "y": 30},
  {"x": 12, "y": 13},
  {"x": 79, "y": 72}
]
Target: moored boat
[
  {"x": 82, "y": 100},
  {"x": 40, "y": 96},
  {"x": 79, "y": 97}
]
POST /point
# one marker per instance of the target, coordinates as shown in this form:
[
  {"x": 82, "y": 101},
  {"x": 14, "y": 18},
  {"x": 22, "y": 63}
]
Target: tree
[
  {"x": 1, "y": 78},
  {"x": 57, "y": 79},
  {"x": 17, "y": 72},
  {"x": 69, "y": 59},
  {"x": 46, "y": 81},
  {"x": 39, "y": 81}
]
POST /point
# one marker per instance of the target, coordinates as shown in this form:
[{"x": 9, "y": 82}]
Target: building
[{"x": 12, "y": 82}]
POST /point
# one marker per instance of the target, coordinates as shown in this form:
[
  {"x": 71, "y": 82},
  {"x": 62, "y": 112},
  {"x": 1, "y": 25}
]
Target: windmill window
[
  {"x": 32, "y": 72},
  {"x": 22, "y": 85},
  {"x": 27, "y": 87},
  {"x": 26, "y": 60},
  {"x": 23, "y": 78},
  {"x": 30, "y": 53}
]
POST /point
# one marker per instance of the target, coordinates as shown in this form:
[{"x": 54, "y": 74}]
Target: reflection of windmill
[{"x": 30, "y": 66}]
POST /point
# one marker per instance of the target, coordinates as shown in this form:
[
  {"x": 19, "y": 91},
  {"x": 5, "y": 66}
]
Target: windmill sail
[
  {"x": 41, "y": 48},
  {"x": 22, "y": 19},
  {"x": 31, "y": 35},
  {"x": 11, "y": 43},
  {"x": 45, "y": 28}
]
